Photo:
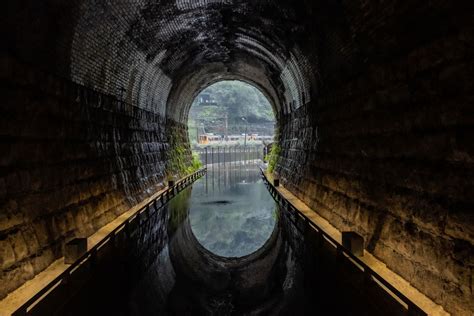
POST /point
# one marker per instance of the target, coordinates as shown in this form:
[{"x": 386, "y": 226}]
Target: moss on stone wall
[
  {"x": 180, "y": 160},
  {"x": 273, "y": 156},
  {"x": 275, "y": 151}
]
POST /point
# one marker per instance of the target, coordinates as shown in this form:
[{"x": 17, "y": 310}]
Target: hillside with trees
[{"x": 232, "y": 108}]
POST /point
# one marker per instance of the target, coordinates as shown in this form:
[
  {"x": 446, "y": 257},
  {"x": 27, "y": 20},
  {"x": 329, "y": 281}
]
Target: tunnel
[{"x": 373, "y": 102}]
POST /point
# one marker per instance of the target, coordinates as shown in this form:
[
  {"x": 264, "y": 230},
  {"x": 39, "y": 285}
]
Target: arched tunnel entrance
[{"x": 373, "y": 103}]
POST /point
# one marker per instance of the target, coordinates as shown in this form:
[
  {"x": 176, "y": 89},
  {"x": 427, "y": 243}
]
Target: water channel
[
  {"x": 237, "y": 217},
  {"x": 220, "y": 247},
  {"x": 226, "y": 253}
]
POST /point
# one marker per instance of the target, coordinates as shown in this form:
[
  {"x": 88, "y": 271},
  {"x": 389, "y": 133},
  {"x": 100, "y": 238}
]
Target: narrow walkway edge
[
  {"x": 33, "y": 291},
  {"x": 407, "y": 293}
]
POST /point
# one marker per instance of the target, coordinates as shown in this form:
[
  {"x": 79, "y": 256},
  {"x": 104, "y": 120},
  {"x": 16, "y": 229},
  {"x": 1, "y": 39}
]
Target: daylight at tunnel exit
[{"x": 237, "y": 157}]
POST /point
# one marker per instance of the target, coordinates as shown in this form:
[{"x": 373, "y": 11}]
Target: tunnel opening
[
  {"x": 231, "y": 125},
  {"x": 373, "y": 102},
  {"x": 231, "y": 113}
]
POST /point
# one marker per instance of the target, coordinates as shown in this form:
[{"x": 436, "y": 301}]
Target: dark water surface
[
  {"x": 228, "y": 251},
  {"x": 220, "y": 247}
]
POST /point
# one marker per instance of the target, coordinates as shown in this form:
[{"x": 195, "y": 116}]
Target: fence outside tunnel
[{"x": 230, "y": 154}]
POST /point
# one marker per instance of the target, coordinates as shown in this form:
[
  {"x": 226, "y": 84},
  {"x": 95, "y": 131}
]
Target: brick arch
[
  {"x": 140, "y": 52},
  {"x": 374, "y": 100}
]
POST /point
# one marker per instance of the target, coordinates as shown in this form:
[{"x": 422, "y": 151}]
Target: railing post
[
  {"x": 93, "y": 258},
  {"x": 414, "y": 310},
  {"x": 113, "y": 242},
  {"x": 320, "y": 241},
  {"x": 20, "y": 312},
  {"x": 367, "y": 284}
]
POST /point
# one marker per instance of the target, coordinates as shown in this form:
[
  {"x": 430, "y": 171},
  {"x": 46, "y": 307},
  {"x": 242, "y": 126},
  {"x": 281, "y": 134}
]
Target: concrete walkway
[
  {"x": 20, "y": 296},
  {"x": 402, "y": 285}
]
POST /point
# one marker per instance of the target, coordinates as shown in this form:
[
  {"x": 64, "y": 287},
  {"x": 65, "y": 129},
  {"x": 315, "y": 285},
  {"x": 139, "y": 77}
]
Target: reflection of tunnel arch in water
[
  {"x": 265, "y": 280},
  {"x": 235, "y": 221},
  {"x": 206, "y": 276}
]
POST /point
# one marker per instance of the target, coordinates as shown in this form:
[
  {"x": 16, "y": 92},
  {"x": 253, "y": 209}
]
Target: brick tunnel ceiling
[
  {"x": 160, "y": 55},
  {"x": 373, "y": 101}
]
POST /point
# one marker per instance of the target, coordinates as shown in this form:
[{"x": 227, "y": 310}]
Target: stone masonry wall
[
  {"x": 72, "y": 160},
  {"x": 376, "y": 119},
  {"x": 388, "y": 153}
]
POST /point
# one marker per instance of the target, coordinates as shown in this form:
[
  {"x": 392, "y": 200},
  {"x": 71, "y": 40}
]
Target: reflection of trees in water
[
  {"x": 178, "y": 208},
  {"x": 236, "y": 220}
]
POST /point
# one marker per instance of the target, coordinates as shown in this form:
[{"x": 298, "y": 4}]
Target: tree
[{"x": 235, "y": 99}]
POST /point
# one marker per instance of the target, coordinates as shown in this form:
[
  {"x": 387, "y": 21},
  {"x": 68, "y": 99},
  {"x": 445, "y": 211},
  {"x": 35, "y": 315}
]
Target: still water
[
  {"x": 219, "y": 247},
  {"x": 227, "y": 252},
  {"x": 235, "y": 218}
]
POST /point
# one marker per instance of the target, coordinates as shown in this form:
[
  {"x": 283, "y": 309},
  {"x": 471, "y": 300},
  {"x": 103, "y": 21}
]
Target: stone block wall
[
  {"x": 72, "y": 160},
  {"x": 374, "y": 100},
  {"x": 388, "y": 152}
]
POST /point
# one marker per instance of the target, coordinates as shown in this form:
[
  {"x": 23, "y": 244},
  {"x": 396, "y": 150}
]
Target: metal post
[
  {"x": 218, "y": 168},
  {"x": 247, "y": 154}
]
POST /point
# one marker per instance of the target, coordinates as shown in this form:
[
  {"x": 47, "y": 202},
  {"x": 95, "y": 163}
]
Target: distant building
[
  {"x": 208, "y": 138},
  {"x": 265, "y": 138},
  {"x": 234, "y": 138},
  {"x": 206, "y": 99}
]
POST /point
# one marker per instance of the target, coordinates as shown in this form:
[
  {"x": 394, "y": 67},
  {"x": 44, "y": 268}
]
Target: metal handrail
[
  {"x": 163, "y": 198},
  {"x": 412, "y": 307}
]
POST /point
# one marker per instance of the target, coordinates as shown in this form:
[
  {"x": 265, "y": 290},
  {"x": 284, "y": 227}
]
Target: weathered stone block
[
  {"x": 7, "y": 255},
  {"x": 353, "y": 242},
  {"x": 19, "y": 246},
  {"x": 74, "y": 249}
]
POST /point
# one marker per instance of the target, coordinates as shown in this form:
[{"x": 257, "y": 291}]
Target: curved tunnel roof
[{"x": 160, "y": 54}]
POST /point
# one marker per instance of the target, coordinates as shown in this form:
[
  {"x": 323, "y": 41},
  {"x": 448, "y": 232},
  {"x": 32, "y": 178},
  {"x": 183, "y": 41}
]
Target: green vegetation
[
  {"x": 180, "y": 160},
  {"x": 196, "y": 163},
  {"x": 242, "y": 100},
  {"x": 177, "y": 162},
  {"x": 273, "y": 156},
  {"x": 179, "y": 165}
]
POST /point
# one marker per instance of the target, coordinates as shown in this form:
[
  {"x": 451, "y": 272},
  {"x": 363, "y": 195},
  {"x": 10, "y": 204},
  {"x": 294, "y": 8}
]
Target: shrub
[{"x": 273, "y": 156}]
